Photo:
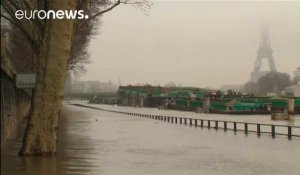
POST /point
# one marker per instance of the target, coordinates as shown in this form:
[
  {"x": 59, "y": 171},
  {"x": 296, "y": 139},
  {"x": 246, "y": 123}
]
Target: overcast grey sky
[{"x": 204, "y": 44}]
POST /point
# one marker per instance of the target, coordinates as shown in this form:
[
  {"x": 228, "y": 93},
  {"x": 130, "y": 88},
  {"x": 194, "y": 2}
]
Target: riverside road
[{"x": 95, "y": 142}]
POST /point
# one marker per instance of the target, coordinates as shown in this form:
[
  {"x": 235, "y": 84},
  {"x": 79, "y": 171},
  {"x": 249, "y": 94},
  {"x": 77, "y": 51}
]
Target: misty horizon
[{"x": 202, "y": 44}]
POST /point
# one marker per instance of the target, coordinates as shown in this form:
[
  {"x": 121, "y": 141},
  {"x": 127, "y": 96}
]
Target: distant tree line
[{"x": 271, "y": 82}]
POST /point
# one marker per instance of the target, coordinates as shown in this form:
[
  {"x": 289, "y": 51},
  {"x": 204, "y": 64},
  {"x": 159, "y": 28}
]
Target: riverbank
[{"x": 93, "y": 142}]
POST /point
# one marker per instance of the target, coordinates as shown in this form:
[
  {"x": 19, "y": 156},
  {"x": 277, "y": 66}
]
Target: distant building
[
  {"x": 68, "y": 83},
  {"x": 292, "y": 91},
  {"x": 79, "y": 87},
  {"x": 76, "y": 86},
  {"x": 119, "y": 82},
  {"x": 297, "y": 75}
]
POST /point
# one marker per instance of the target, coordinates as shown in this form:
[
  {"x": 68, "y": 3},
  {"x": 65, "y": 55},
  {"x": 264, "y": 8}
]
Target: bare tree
[{"x": 51, "y": 42}]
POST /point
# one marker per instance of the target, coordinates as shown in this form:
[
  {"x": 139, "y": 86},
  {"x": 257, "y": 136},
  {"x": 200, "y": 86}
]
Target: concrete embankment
[{"x": 15, "y": 103}]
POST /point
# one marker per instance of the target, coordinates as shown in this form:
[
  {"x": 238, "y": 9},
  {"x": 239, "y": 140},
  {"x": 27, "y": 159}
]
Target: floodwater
[{"x": 94, "y": 142}]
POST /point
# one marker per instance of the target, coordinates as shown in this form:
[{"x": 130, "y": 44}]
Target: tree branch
[
  {"x": 100, "y": 13},
  {"x": 30, "y": 39}
]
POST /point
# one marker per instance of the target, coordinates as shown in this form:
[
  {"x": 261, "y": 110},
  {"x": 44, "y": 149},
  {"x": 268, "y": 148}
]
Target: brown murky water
[{"x": 93, "y": 142}]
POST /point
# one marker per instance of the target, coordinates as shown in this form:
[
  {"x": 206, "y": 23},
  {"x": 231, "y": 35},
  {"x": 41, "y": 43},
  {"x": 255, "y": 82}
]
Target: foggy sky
[{"x": 204, "y": 44}]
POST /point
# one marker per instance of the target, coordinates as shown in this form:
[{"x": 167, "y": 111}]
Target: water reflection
[{"x": 97, "y": 142}]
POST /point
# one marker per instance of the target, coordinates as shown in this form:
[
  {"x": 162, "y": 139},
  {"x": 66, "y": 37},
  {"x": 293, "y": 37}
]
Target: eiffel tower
[{"x": 264, "y": 52}]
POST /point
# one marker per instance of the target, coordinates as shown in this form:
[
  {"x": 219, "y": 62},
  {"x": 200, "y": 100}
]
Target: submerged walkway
[
  {"x": 94, "y": 142},
  {"x": 290, "y": 130}
]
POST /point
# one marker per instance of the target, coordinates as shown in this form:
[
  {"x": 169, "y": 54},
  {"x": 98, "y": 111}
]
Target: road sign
[{"x": 25, "y": 81}]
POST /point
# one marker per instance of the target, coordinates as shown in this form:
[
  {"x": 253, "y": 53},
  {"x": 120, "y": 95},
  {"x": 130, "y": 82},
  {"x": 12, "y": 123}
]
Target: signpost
[{"x": 25, "y": 81}]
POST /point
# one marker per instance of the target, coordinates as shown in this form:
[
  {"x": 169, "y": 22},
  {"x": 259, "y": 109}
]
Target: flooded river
[{"x": 94, "y": 142}]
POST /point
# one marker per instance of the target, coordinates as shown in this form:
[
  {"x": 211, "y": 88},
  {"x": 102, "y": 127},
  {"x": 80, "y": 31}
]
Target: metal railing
[
  {"x": 225, "y": 125},
  {"x": 246, "y": 127}
]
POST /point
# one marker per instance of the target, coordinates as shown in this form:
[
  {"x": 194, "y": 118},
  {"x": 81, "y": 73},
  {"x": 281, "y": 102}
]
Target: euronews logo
[{"x": 51, "y": 14}]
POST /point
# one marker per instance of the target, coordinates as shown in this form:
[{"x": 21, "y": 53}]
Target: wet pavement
[{"x": 93, "y": 142}]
